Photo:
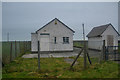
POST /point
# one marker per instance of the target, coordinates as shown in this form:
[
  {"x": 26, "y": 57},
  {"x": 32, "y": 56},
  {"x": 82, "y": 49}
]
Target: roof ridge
[
  {"x": 103, "y": 25},
  {"x": 52, "y": 21},
  {"x": 97, "y": 31}
]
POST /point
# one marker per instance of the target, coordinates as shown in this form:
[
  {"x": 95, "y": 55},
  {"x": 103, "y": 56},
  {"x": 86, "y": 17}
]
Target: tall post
[
  {"x": 84, "y": 48},
  {"x": 38, "y": 56},
  {"x": 104, "y": 52}
]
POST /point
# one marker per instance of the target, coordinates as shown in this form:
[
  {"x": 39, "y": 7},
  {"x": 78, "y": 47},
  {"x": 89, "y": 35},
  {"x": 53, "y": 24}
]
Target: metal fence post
[
  {"x": 104, "y": 50},
  {"x": 38, "y": 56}
]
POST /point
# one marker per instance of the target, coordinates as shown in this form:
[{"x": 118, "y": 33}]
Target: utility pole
[
  {"x": 8, "y": 36},
  {"x": 84, "y": 47}
]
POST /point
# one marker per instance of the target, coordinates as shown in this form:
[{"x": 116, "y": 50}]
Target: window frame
[{"x": 65, "y": 40}]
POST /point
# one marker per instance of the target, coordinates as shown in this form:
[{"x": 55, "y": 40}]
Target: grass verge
[{"x": 58, "y": 68}]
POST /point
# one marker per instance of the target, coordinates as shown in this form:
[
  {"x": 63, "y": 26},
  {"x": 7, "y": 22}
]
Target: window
[
  {"x": 65, "y": 40},
  {"x": 54, "y": 40}
]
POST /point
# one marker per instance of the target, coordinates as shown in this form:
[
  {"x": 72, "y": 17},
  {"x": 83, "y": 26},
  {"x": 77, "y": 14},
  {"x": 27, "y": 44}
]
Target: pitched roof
[
  {"x": 97, "y": 31},
  {"x": 52, "y": 21}
]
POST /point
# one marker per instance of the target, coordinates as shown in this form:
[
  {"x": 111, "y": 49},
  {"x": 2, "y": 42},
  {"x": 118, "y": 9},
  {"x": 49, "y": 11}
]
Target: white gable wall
[
  {"x": 59, "y": 31},
  {"x": 119, "y": 38},
  {"x": 110, "y": 31},
  {"x": 95, "y": 43}
]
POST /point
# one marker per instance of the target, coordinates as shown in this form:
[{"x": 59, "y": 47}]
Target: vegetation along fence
[
  {"x": 112, "y": 53},
  {"x": 13, "y": 49},
  {"x": 98, "y": 50}
]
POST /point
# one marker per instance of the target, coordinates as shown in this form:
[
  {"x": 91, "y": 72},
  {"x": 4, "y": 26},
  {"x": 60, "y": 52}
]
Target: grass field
[{"x": 58, "y": 68}]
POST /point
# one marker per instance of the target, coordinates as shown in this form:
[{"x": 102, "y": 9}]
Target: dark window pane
[
  {"x": 65, "y": 40},
  {"x": 55, "y": 40}
]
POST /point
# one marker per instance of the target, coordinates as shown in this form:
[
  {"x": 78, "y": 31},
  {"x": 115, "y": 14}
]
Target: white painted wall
[
  {"x": 95, "y": 43},
  {"x": 59, "y": 31},
  {"x": 110, "y": 31},
  {"x": 34, "y": 43},
  {"x": 119, "y": 38}
]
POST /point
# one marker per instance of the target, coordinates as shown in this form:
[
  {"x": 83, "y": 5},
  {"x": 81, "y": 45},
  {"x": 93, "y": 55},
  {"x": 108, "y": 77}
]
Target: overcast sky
[{"x": 20, "y": 19}]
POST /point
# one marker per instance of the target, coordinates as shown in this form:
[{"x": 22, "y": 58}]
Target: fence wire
[
  {"x": 13, "y": 49},
  {"x": 94, "y": 49}
]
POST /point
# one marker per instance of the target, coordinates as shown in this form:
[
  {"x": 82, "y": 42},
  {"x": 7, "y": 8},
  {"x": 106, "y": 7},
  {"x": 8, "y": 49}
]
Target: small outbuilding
[
  {"x": 104, "y": 32},
  {"x": 54, "y": 36}
]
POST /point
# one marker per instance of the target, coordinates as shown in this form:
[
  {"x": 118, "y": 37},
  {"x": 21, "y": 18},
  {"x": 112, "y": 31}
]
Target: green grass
[{"x": 58, "y": 68}]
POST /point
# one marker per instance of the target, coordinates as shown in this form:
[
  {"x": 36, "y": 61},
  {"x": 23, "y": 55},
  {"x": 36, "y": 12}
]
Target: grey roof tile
[{"x": 97, "y": 31}]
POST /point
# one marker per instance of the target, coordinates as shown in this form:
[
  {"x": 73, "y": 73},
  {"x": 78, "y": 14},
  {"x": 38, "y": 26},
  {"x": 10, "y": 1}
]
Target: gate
[{"x": 112, "y": 53}]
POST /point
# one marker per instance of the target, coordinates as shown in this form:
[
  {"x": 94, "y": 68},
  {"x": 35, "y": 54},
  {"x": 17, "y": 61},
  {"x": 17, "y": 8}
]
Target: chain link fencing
[{"x": 13, "y": 49}]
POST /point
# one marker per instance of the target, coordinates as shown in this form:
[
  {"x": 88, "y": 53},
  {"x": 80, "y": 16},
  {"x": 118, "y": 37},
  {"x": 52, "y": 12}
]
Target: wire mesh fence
[
  {"x": 13, "y": 49},
  {"x": 112, "y": 53},
  {"x": 94, "y": 49}
]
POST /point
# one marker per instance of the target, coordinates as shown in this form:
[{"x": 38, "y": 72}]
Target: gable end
[{"x": 52, "y": 21}]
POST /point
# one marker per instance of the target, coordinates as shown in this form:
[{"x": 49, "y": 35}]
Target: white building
[
  {"x": 54, "y": 36},
  {"x": 104, "y": 32}
]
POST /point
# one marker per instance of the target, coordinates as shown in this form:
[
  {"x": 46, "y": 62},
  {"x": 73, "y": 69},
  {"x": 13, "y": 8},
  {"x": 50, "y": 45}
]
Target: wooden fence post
[
  {"x": 76, "y": 58},
  {"x": 38, "y": 56},
  {"x": 103, "y": 51},
  {"x": 89, "y": 58},
  {"x": 11, "y": 52},
  {"x": 85, "y": 63}
]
